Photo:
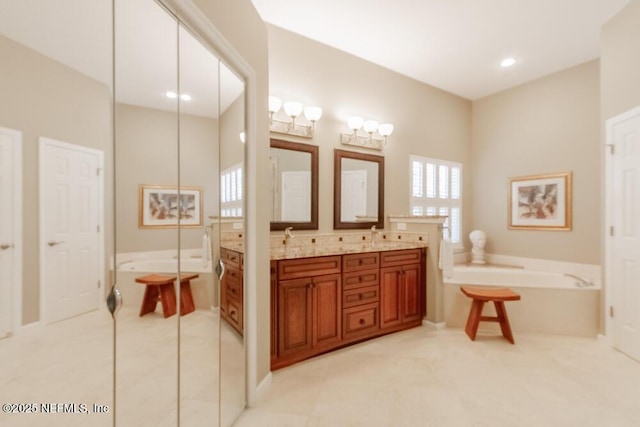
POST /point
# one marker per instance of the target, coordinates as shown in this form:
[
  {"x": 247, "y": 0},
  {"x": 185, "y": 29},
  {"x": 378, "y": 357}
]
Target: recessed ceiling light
[
  {"x": 185, "y": 97},
  {"x": 507, "y": 62},
  {"x": 171, "y": 95}
]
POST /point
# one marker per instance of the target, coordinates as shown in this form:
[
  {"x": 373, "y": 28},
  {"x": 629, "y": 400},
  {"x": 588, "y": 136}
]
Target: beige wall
[
  {"x": 620, "y": 62},
  {"x": 428, "y": 121},
  {"x": 43, "y": 98},
  {"x": 549, "y": 125},
  {"x": 146, "y": 153}
]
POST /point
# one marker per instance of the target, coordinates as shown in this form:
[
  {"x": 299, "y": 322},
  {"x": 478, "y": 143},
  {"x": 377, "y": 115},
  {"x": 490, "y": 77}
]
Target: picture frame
[
  {"x": 541, "y": 202},
  {"x": 162, "y": 206}
]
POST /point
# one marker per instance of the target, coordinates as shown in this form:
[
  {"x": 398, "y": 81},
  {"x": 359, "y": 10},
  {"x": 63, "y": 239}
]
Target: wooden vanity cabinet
[
  {"x": 360, "y": 295},
  {"x": 231, "y": 289},
  {"x": 401, "y": 287},
  {"x": 309, "y": 308},
  {"x": 320, "y": 304}
]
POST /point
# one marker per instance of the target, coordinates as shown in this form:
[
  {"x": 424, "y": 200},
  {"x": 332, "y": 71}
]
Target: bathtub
[
  {"x": 131, "y": 265},
  {"x": 509, "y": 276},
  {"x": 551, "y": 302}
]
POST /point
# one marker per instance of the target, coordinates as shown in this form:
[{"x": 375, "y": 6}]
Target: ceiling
[
  {"x": 77, "y": 33},
  {"x": 455, "y": 45}
]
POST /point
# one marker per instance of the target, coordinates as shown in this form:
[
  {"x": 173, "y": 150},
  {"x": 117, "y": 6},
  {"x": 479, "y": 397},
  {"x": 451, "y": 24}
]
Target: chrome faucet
[
  {"x": 288, "y": 234},
  {"x": 374, "y": 234}
]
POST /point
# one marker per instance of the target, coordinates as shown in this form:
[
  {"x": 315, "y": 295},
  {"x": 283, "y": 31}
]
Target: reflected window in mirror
[
  {"x": 294, "y": 185},
  {"x": 358, "y": 190}
]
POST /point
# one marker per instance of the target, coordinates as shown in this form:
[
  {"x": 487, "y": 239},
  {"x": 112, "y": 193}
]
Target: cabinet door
[
  {"x": 294, "y": 316},
  {"x": 390, "y": 296},
  {"x": 327, "y": 310},
  {"x": 274, "y": 310},
  {"x": 411, "y": 294}
]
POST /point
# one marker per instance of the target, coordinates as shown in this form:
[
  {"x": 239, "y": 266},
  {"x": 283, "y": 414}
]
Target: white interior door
[
  {"x": 296, "y": 196},
  {"x": 353, "y": 194},
  {"x": 625, "y": 257},
  {"x": 70, "y": 234},
  {"x": 10, "y": 230}
]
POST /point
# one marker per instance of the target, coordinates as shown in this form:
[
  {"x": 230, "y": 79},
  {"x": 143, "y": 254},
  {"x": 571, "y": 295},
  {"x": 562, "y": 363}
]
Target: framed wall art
[
  {"x": 160, "y": 206},
  {"x": 540, "y": 202}
]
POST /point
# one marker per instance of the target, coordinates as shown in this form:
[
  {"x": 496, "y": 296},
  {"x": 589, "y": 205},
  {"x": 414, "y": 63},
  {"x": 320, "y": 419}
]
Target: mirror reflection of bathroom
[
  {"x": 231, "y": 237},
  {"x": 56, "y": 231},
  {"x": 147, "y": 208},
  {"x": 291, "y": 180},
  {"x": 359, "y": 190}
]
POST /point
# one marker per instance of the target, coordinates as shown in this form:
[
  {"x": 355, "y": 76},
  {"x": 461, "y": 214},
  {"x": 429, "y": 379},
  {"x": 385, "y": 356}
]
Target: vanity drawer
[
  {"x": 233, "y": 288},
  {"x": 360, "y": 320},
  {"x": 364, "y": 261},
  {"x": 358, "y": 279},
  {"x": 234, "y": 314},
  {"x": 307, "y": 267},
  {"x": 359, "y": 296},
  {"x": 231, "y": 258},
  {"x": 401, "y": 257}
]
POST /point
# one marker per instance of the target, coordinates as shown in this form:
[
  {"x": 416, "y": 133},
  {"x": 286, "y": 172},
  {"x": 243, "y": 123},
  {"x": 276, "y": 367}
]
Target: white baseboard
[
  {"x": 262, "y": 388},
  {"x": 435, "y": 326},
  {"x": 30, "y": 328}
]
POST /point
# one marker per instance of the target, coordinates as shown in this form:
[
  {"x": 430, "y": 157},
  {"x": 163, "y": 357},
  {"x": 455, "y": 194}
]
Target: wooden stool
[
  {"x": 161, "y": 288},
  {"x": 480, "y": 295}
]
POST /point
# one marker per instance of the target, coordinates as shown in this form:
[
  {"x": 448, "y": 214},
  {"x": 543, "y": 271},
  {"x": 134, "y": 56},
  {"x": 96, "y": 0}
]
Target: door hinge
[
  {"x": 99, "y": 284},
  {"x": 610, "y": 311},
  {"x": 98, "y": 171},
  {"x": 612, "y": 148},
  {"x": 98, "y": 228},
  {"x": 611, "y": 230}
]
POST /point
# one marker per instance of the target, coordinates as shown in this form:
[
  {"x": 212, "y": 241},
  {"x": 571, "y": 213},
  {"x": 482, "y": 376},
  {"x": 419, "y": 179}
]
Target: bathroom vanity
[
  {"x": 323, "y": 299},
  {"x": 231, "y": 289}
]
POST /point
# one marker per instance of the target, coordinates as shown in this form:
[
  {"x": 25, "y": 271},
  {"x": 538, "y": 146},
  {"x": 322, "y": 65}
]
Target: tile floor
[
  {"x": 72, "y": 362},
  {"x": 413, "y": 378},
  {"x": 423, "y": 377}
]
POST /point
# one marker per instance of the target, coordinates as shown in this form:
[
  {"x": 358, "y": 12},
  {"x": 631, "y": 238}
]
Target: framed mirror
[
  {"x": 294, "y": 172},
  {"x": 358, "y": 192}
]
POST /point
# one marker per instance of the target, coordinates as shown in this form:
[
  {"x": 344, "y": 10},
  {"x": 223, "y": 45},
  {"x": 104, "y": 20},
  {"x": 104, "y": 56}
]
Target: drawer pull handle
[
  {"x": 360, "y": 296},
  {"x": 362, "y": 322}
]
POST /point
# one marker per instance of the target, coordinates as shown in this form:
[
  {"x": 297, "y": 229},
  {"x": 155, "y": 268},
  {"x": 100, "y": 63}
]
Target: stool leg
[
  {"x": 503, "y": 319},
  {"x": 168, "y": 299},
  {"x": 186, "y": 298},
  {"x": 149, "y": 300},
  {"x": 474, "y": 319}
]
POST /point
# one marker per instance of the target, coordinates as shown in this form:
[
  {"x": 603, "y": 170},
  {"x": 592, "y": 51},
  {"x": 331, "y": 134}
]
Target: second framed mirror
[
  {"x": 294, "y": 172},
  {"x": 358, "y": 192}
]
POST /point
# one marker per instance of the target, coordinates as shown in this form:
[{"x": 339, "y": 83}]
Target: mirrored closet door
[{"x": 56, "y": 219}]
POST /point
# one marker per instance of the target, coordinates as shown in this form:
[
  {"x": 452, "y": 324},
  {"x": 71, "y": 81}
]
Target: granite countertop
[{"x": 315, "y": 250}]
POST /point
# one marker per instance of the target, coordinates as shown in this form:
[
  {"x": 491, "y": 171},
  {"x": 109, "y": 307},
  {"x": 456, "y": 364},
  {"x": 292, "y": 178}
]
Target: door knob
[
  {"x": 5, "y": 246},
  {"x": 219, "y": 269},
  {"x": 114, "y": 301},
  {"x": 52, "y": 243}
]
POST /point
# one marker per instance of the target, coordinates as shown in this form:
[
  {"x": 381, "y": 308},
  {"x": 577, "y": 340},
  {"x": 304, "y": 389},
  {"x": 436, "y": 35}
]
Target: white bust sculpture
[{"x": 478, "y": 239}]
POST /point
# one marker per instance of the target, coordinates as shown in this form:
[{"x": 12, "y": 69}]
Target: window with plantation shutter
[
  {"x": 231, "y": 192},
  {"x": 436, "y": 189}
]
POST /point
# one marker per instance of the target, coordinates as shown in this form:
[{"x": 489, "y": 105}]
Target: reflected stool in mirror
[
  {"x": 481, "y": 295},
  {"x": 161, "y": 288}
]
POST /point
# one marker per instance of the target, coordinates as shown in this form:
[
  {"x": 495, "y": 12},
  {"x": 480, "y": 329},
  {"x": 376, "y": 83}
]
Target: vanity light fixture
[
  {"x": 376, "y": 133},
  {"x": 292, "y": 110}
]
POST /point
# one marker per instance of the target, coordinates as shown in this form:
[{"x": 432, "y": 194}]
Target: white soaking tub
[{"x": 552, "y": 302}]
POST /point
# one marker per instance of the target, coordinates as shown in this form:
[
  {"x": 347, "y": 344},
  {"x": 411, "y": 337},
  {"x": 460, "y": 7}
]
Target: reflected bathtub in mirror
[{"x": 294, "y": 172}]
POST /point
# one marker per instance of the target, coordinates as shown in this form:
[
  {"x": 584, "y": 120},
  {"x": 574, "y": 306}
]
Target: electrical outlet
[
  {"x": 402, "y": 226},
  {"x": 237, "y": 226}
]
